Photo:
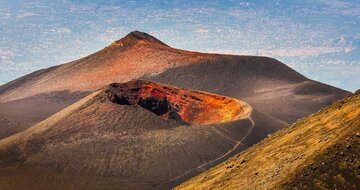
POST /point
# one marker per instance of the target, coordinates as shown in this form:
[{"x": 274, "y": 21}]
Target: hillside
[
  {"x": 130, "y": 57},
  {"x": 34, "y": 97},
  {"x": 135, "y": 135},
  {"x": 267, "y": 84},
  {"x": 318, "y": 152}
]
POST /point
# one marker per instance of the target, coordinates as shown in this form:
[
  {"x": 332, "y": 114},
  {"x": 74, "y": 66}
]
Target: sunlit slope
[
  {"x": 267, "y": 84},
  {"x": 36, "y": 96},
  {"x": 105, "y": 142},
  {"x": 128, "y": 58},
  {"x": 321, "y": 151}
]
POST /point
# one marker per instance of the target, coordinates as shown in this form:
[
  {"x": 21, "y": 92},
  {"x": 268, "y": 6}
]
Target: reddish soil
[
  {"x": 131, "y": 57},
  {"x": 172, "y": 102}
]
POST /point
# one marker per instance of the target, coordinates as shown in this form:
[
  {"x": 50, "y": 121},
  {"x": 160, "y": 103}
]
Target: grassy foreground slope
[{"x": 321, "y": 151}]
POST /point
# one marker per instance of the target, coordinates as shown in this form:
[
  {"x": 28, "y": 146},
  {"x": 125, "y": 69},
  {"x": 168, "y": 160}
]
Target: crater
[
  {"x": 170, "y": 102},
  {"x": 134, "y": 37}
]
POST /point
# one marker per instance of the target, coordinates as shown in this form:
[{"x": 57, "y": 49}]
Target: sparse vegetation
[{"x": 321, "y": 151}]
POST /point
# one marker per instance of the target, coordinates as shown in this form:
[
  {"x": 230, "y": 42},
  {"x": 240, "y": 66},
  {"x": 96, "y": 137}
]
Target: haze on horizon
[{"x": 318, "y": 38}]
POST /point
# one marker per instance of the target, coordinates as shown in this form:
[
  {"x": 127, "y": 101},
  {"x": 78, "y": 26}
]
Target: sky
[{"x": 318, "y": 38}]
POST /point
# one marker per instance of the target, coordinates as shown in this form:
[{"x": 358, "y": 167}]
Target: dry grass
[{"x": 315, "y": 152}]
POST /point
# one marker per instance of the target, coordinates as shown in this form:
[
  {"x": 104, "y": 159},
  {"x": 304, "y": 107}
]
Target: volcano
[{"x": 265, "y": 83}]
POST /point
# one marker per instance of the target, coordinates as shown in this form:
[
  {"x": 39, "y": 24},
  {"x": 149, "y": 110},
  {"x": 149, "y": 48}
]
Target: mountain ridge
[{"x": 253, "y": 78}]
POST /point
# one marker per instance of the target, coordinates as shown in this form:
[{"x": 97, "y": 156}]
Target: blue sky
[{"x": 318, "y": 38}]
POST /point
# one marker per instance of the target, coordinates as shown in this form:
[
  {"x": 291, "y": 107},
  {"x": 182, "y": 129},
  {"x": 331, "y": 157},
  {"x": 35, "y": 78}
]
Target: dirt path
[{"x": 247, "y": 115}]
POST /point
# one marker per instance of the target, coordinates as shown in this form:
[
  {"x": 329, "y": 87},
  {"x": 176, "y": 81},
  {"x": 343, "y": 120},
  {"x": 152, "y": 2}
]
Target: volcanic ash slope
[{"x": 135, "y": 135}]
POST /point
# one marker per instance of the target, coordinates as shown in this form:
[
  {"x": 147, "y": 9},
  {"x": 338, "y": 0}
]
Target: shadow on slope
[
  {"x": 265, "y": 83},
  {"x": 98, "y": 144},
  {"x": 20, "y": 114}
]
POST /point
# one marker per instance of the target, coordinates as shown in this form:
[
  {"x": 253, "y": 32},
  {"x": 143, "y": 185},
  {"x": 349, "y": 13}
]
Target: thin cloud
[
  {"x": 202, "y": 30},
  {"x": 27, "y": 14},
  {"x": 288, "y": 52},
  {"x": 244, "y": 4},
  {"x": 305, "y": 51},
  {"x": 4, "y": 54},
  {"x": 348, "y": 49},
  {"x": 62, "y": 30}
]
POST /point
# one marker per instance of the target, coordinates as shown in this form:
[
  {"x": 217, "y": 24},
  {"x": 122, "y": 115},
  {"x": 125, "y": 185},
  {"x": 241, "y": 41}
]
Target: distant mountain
[
  {"x": 268, "y": 85},
  {"x": 321, "y": 151},
  {"x": 135, "y": 135}
]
